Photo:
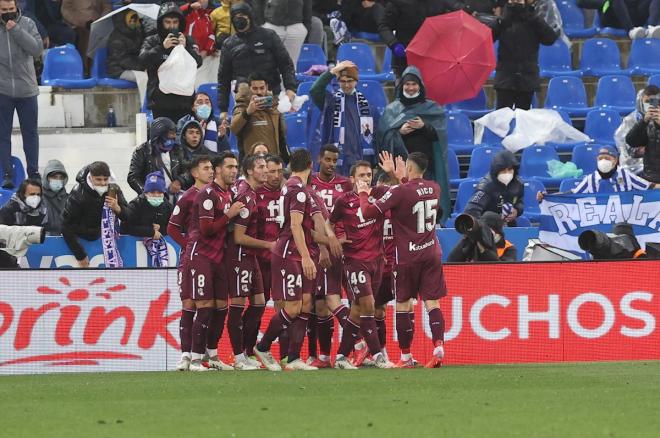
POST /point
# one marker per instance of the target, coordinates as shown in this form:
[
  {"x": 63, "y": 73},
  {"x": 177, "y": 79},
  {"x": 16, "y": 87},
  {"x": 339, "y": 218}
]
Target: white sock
[
  {"x": 406, "y": 357},
  {"x": 197, "y": 356},
  {"x": 185, "y": 355},
  {"x": 239, "y": 358},
  {"x": 439, "y": 351},
  {"x": 212, "y": 353},
  {"x": 384, "y": 351},
  {"x": 376, "y": 356}
]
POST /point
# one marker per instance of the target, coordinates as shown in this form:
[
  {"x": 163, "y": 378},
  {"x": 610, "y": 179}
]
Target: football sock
[
  {"x": 404, "y": 330},
  {"x": 216, "y": 327},
  {"x": 437, "y": 325},
  {"x": 382, "y": 331},
  {"x": 185, "y": 329},
  {"x": 200, "y": 328},
  {"x": 369, "y": 332},
  {"x": 312, "y": 335},
  {"x": 278, "y": 322},
  {"x": 326, "y": 328},
  {"x": 412, "y": 324},
  {"x": 251, "y": 323},
  {"x": 235, "y": 328},
  {"x": 297, "y": 331},
  {"x": 341, "y": 313},
  {"x": 350, "y": 335}
]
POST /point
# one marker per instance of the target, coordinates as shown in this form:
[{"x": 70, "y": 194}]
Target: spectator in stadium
[
  {"x": 253, "y": 49},
  {"x": 48, "y": 16},
  {"x": 290, "y": 19},
  {"x": 346, "y": 116},
  {"x": 21, "y": 46},
  {"x": 148, "y": 214},
  {"x": 485, "y": 242},
  {"x": 412, "y": 123},
  {"x": 520, "y": 32},
  {"x": 256, "y": 118},
  {"x": 222, "y": 23},
  {"x": 124, "y": 44},
  {"x": 190, "y": 140},
  {"x": 160, "y": 154},
  {"x": 362, "y": 15},
  {"x": 201, "y": 28},
  {"x": 80, "y": 14},
  {"x": 501, "y": 191},
  {"x": 84, "y": 207},
  {"x": 258, "y": 148},
  {"x": 215, "y": 136},
  {"x": 155, "y": 50},
  {"x": 26, "y": 206},
  {"x": 54, "y": 195},
  {"x": 639, "y": 17},
  {"x": 401, "y": 21},
  {"x": 644, "y": 139},
  {"x": 631, "y": 158}
]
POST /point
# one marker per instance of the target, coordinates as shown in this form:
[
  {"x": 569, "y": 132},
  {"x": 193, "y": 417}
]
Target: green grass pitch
[{"x": 619, "y": 399}]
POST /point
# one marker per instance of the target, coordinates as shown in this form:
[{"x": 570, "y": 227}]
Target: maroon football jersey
[
  {"x": 246, "y": 218},
  {"x": 388, "y": 242},
  {"x": 414, "y": 207},
  {"x": 182, "y": 214},
  {"x": 366, "y": 235},
  {"x": 212, "y": 202},
  {"x": 268, "y": 214},
  {"x": 308, "y": 222},
  {"x": 294, "y": 198},
  {"x": 331, "y": 191}
]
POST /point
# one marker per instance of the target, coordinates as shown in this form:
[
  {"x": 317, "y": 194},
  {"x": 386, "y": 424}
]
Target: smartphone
[
  {"x": 112, "y": 190},
  {"x": 175, "y": 33},
  {"x": 265, "y": 101},
  {"x": 654, "y": 102}
]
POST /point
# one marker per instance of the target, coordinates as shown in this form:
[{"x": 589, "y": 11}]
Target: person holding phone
[{"x": 644, "y": 138}]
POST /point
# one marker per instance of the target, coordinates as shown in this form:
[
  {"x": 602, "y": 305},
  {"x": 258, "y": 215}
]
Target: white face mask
[
  {"x": 646, "y": 107},
  {"x": 605, "y": 166},
  {"x": 410, "y": 96},
  {"x": 101, "y": 190},
  {"x": 505, "y": 178},
  {"x": 33, "y": 201},
  {"x": 56, "y": 184}
]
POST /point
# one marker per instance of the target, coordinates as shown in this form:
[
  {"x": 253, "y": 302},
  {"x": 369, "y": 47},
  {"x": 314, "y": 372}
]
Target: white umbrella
[{"x": 103, "y": 27}]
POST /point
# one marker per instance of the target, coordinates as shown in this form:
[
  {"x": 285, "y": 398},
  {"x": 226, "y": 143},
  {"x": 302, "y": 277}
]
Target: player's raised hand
[
  {"x": 309, "y": 268},
  {"x": 386, "y": 162},
  {"x": 235, "y": 209},
  {"x": 400, "y": 172},
  {"x": 363, "y": 187}
]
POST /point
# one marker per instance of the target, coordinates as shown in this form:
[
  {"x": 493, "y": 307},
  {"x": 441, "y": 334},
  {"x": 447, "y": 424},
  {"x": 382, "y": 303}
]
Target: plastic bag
[
  {"x": 177, "y": 74},
  {"x": 540, "y": 126},
  {"x": 284, "y": 105},
  {"x": 498, "y": 121},
  {"x": 557, "y": 169}
]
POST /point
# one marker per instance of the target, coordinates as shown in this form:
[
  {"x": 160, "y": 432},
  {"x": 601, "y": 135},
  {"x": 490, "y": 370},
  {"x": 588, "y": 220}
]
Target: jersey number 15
[{"x": 426, "y": 212}]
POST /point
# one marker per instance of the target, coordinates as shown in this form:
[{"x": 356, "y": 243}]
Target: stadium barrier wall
[{"x": 127, "y": 319}]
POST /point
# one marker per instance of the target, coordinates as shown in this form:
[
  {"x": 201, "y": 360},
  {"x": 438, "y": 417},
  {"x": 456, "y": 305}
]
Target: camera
[
  {"x": 15, "y": 240},
  {"x": 621, "y": 244}
]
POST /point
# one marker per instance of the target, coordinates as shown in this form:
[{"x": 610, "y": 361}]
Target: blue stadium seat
[
  {"x": 480, "y": 160},
  {"x": 373, "y": 91},
  {"x": 601, "y": 124},
  {"x": 522, "y": 222},
  {"x": 18, "y": 172},
  {"x": 459, "y": 133},
  {"x": 465, "y": 191},
  {"x": 310, "y": 54},
  {"x": 616, "y": 92},
  {"x": 63, "y": 68},
  {"x": 373, "y": 37},
  {"x": 296, "y": 131},
  {"x": 654, "y": 80},
  {"x": 303, "y": 90},
  {"x": 611, "y": 31},
  {"x": 568, "y": 184},
  {"x": 567, "y": 146},
  {"x": 100, "y": 73},
  {"x": 572, "y": 19},
  {"x": 643, "y": 58},
  {"x": 584, "y": 157},
  {"x": 387, "y": 66},
  {"x": 534, "y": 164},
  {"x": 361, "y": 55},
  {"x": 211, "y": 89},
  {"x": 532, "y": 210},
  {"x": 600, "y": 56},
  {"x": 555, "y": 60},
  {"x": 566, "y": 93},
  {"x": 454, "y": 169},
  {"x": 474, "y": 108}
]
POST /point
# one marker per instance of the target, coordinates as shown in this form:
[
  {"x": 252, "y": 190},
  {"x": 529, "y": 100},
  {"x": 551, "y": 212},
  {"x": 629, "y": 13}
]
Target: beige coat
[{"x": 80, "y": 12}]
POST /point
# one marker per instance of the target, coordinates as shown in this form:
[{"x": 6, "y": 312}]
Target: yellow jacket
[{"x": 221, "y": 20}]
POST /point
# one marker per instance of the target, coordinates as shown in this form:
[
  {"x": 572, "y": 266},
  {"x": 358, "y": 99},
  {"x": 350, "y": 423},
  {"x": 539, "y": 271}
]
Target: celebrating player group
[{"x": 301, "y": 242}]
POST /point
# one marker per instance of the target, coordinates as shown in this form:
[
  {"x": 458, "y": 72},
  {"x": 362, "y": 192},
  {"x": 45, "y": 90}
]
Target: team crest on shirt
[
  {"x": 339, "y": 188},
  {"x": 176, "y": 211},
  {"x": 208, "y": 190},
  {"x": 301, "y": 197},
  {"x": 208, "y": 204},
  {"x": 372, "y": 199},
  {"x": 236, "y": 269},
  {"x": 283, "y": 272},
  {"x": 244, "y": 288},
  {"x": 244, "y": 213}
]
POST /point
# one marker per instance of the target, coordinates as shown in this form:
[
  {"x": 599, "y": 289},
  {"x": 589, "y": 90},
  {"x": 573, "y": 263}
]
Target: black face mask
[
  {"x": 9, "y": 16},
  {"x": 241, "y": 23}
]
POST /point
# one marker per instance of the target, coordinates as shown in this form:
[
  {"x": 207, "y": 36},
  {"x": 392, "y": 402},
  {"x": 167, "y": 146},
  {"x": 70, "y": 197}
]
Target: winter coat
[
  {"x": 212, "y": 138},
  {"x": 221, "y": 23},
  {"x": 361, "y": 19},
  {"x": 80, "y": 13},
  {"x": 190, "y": 153},
  {"x": 82, "y": 214},
  {"x": 54, "y": 201},
  {"x": 124, "y": 47},
  {"x": 153, "y": 54},
  {"x": 19, "y": 48},
  {"x": 16, "y": 212},
  {"x": 256, "y": 50},
  {"x": 647, "y": 135},
  {"x": 283, "y": 12},
  {"x": 200, "y": 27},
  {"x": 491, "y": 194},
  {"x": 517, "y": 57},
  {"x": 141, "y": 217},
  {"x": 147, "y": 159}
]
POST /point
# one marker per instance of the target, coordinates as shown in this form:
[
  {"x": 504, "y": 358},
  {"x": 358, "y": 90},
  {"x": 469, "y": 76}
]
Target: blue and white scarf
[
  {"x": 109, "y": 236},
  {"x": 157, "y": 249},
  {"x": 339, "y": 128}
]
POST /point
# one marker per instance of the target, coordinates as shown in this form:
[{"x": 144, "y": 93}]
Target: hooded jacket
[
  {"x": 19, "y": 48},
  {"x": 255, "y": 50},
  {"x": 54, "y": 201},
  {"x": 647, "y": 135},
  {"x": 141, "y": 217},
  {"x": 124, "y": 46},
  {"x": 284, "y": 12},
  {"x": 82, "y": 214},
  {"x": 491, "y": 194},
  {"x": 17, "y": 212},
  {"x": 153, "y": 54},
  {"x": 147, "y": 157},
  {"x": 190, "y": 153}
]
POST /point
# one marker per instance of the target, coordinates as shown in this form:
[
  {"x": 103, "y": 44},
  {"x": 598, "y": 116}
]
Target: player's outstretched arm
[
  {"x": 244, "y": 240},
  {"x": 369, "y": 211}
]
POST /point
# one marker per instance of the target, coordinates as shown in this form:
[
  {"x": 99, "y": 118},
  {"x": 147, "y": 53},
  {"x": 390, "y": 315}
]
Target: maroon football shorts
[
  {"x": 424, "y": 280},
  {"x": 244, "y": 277},
  {"x": 264, "y": 267},
  {"x": 384, "y": 294},
  {"x": 208, "y": 281},
  {"x": 288, "y": 282},
  {"x": 329, "y": 281},
  {"x": 362, "y": 278}
]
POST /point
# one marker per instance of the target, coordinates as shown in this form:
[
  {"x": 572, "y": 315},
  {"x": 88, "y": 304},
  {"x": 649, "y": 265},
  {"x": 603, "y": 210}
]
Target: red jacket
[{"x": 200, "y": 27}]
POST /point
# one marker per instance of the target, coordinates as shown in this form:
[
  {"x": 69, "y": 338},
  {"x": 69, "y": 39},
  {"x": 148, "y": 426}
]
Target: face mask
[
  {"x": 505, "y": 178},
  {"x": 241, "y": 23},
  {"x": 410, "y": 96},
  {"x": 56, "y": 184},
  {"x": 33, "y": 201},
  {"x": 605, "y": 166},
  {"x": 101, "y": 190},
  {"x": 155, "y": 202},
  {"x": 167, "y": 144},
  {"x": 646, "y": 107},
  {"x": 203, "y": 111},
  {"x": 9, "y": 16}
]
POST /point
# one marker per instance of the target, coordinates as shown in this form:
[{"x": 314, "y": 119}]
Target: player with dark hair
[
  {"x": 211, "y": 214},
  {"x": 178, "y": 228},
  {"x": 293, "y": 270},
  {"x": 363, "y": 267},
  {"x": 418, "y": 269}
]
